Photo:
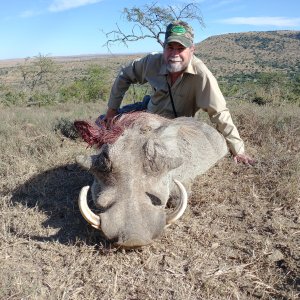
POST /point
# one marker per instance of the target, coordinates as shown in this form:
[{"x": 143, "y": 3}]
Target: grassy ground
[{"x": 239, "y": 238}]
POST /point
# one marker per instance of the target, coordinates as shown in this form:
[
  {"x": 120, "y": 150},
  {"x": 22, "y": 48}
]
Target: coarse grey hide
[{"x": 136, "y": 176}]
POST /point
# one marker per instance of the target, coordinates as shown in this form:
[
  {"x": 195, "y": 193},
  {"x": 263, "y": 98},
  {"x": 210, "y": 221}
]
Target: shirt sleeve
[
  {"x": 130, "y": 74},
  {"x": 226, "y": 126},
  {"x": 213, "y": 102}
]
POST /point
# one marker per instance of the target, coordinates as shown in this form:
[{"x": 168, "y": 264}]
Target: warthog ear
[
  {"x": 159, "y": 157},
  {"x": 84, "y": 161},
  {"x": 99, "y": 162}
]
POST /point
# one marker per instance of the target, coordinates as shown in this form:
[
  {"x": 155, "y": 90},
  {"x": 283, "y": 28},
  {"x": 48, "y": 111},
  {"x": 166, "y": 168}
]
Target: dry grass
[{"x": 239, "y": 238}]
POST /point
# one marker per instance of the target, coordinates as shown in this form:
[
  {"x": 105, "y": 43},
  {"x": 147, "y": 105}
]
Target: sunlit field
[{"x": 238, "y": 239}]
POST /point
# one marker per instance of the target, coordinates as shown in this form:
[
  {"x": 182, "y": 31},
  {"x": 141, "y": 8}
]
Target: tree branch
[{"x": 150, "y": 21}]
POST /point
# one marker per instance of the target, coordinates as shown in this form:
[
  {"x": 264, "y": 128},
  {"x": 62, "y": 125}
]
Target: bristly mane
[{"x": 97, "y": 136}]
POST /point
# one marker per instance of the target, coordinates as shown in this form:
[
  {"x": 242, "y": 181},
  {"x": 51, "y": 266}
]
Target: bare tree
[
  {"x": 151, "y": 20},
  {"x": 38, "y": 72}
]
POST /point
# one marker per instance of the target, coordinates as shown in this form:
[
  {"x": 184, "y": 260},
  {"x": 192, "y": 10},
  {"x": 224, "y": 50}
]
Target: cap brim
[{"x": 181, "y": 40}]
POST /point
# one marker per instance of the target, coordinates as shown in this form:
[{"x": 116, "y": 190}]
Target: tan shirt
[{"x": 196, "y": 89}]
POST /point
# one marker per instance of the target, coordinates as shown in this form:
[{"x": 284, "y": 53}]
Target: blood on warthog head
[{"x": 97, "y": 136}]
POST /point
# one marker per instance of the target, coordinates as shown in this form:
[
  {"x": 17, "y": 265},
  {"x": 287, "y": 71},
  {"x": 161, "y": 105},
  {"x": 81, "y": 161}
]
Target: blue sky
[{"x": 75, "y": 27}]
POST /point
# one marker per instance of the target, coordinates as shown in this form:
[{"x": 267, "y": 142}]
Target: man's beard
[{"x": 176, "y": 66}]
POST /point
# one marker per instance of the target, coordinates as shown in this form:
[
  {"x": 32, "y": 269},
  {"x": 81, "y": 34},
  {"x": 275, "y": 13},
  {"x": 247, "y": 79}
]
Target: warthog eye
[
  {"x": 103, "y": 161},
  {"x": 155, "y": 200}
]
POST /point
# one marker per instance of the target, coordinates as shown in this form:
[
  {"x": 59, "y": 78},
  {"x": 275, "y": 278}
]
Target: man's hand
[
  {"x": 110, "y": 114},
  {"x": 244, "y": 159}
]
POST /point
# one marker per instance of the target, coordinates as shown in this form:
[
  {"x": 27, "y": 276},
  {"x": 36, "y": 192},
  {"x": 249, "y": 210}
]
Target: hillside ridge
[{"x": 251, "y": 52}]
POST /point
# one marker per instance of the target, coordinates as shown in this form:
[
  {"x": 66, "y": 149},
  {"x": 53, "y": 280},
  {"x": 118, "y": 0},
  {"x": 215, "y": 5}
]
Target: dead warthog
[{"x": 144, "y": 161}]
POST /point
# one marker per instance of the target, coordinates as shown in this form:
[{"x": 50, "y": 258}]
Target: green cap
[{"x": 179, "y": 32}]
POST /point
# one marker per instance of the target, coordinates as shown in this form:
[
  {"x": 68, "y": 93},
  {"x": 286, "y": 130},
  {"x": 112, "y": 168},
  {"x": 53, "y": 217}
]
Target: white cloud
[
  {"x": 60, "y": 5},
  {"x": 256, "y": 21}
]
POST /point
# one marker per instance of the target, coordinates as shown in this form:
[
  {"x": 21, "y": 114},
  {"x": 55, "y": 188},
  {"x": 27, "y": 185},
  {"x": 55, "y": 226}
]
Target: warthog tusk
[
  {"x": 89, "y": 216},
  {"x": 180, "y": 208}
]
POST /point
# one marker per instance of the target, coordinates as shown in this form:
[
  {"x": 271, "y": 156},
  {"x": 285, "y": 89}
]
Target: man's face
[{"x": 177, "y": 57}]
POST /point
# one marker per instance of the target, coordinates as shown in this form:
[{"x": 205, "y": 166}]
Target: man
[{"x": 181, "y": 85}]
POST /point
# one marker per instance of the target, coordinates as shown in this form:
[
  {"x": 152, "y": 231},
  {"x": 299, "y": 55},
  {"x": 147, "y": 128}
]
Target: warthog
[{"x": 144, "y": 161}]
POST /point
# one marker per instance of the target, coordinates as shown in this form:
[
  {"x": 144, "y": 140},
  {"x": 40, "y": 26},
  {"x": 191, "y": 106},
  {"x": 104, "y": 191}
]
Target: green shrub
[
  {"x": 136, "y": 93},
  {"x": 66, "y": 128},
  {"x": 272, "y": 87},
  {"x": 10, "y": 96},
  {"x": 90, "y": 88}
]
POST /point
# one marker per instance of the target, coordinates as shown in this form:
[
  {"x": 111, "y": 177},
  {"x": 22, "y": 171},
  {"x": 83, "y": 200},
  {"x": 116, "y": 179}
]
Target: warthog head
[{"x": 144, "y": 160}]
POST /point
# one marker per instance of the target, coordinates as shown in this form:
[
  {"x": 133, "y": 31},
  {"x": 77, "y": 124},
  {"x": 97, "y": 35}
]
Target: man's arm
[
  {"x": 235, "y": 144},
  {"x": 225, "y": 125},
  {"x": 128, "y": 75},
  {"x": 110, "y": 114},
  {"x": 215, "y": 105}
]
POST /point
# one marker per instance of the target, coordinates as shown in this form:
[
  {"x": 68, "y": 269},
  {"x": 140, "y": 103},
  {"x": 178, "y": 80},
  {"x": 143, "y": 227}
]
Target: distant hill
[{"x": 249, "y": 52}]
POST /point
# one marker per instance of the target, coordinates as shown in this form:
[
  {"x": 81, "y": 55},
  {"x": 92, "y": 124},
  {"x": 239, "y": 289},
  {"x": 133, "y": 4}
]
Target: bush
[
  {"x": 90, "y": 88},
  {"x": 136, "y": 93},
  {"x": 10, "y": 96},
  {"x": 66, "y": 128},
  {"x": 273, "y": 87}
]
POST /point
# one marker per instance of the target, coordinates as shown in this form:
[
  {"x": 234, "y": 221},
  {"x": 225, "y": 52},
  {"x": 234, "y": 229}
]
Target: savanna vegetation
[
  {"x": 263, "y": 67},
  {"x": 250, "y": 67},
  {"x": 239, "y": 238}
]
